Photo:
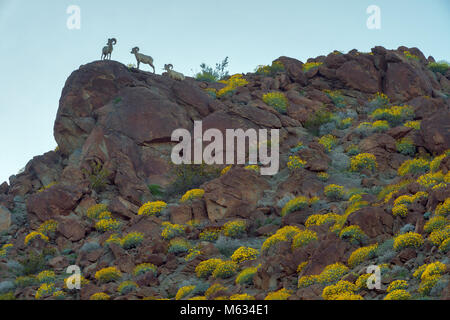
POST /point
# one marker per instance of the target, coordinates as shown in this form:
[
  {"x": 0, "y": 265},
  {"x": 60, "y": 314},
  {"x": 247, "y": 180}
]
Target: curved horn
[
  {"x": 170, "y": 66},
  {"x": 114, "y": 40}
]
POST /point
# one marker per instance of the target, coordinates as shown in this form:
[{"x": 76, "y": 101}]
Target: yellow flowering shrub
[
  {"x": 398, "y": 294},
  {"x": 127, "y": 287},
  {"x": 429, "y": 180},
  {"x": 435, "y": 164},
  {"x": 334, "y": 192},
  {"x": 45, "y": 290},
  {"x": 323, "y": 176},
  {"x": 152, "y": 208},
  {"x": 5, "y": 249},
  {"x": 332, "y": 273},
  {"x": 232, "y": 84},
  {"x": 394, "y": 115},
  {"x": 311, "y": 65},
  {"x": 361, "y": 282},
  {"x": 51, "y": 184},
  {"x": 295, "y": 204},
  {"x": 380, "y": 99},
  {"x": 320, "y": 219},
  {"x": 225, "y": 170},
  {"x": 363, "y": 161},
  {"x": 302, "y": 238},
  {"x": 302, "y": 266},
  {"x": 306, "y": 281},
  {"x": 184, "y": 291},
  {"x": 246, "y": 275},
  {"x": 207, "y": 267},
  {"x": 281, "y": 294},
  {"x": 94, "y": 211},
  {"x": 295, "y": 163},
  {"x": 192, "y": 194},
  {"x": 48, "y": 227},
  {"x": 132, "y": 240},
  {"x": 252, "y": 167},
  {"x": 46, "y": 276},
  {"x": 328, "y": 142},
  {"x": 243, "y": 296},
  {"x": 225, "y": 269},
  {"x": 443, "y": 209},
  {"x": 413, "y": 166},
  {"x": 276, "y": 100},
  {"x": 179, "y": 245},
  {"x": 114, "y": 238},
  {"x": 210, "y": 234},
  {"x": 99, "y": 296},
  {"x": 108, "y": 274},
  {"x": 214, "y": 289},
  {"x": 397, "y": 285},
  {"x": 170, "y": 231},
  {"x": 380, "y": 125},
  {"x": 33, "y": 235},
  {"x": 244, "y": 254},
  {"x": 440, "y": 235},
  {"x": 412, "y": 124},
  {"x": 271, "y": 70},
  {"x": 234, "y": 229},
  {"x": 341, "y": 288},
  {"x": 436, "y": 223},
  {"x": 107, "y": 225},
  {"x": 409, "y": 239},
  {"x": 284, "y": 234},
  {"x": 400, "y": 210},
  {"x": 359, "y": 255}
]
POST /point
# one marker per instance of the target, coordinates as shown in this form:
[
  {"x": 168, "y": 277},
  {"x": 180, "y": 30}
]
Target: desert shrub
[
  {"x": 190, "y": 176},
  {"x": 272, "y": 70},
  {"x": 337, "y": 97},
  {"x": 214, "y": 289},
  {"x": 399, "y": 294},
  {"x": 108, "y": 274},
  {"x": 207, "y": 267},
  {"x": 436, "y": 223},
  {"x": 210, "y": 74},
  {"x": 281, "y": 294},
  {"x": 33, "y": 263},
  {"x": 342, "y": 290},
  {"x": 25, "y": 281},
  {"x": 364, "y": 128},
  {"x": 332, "y": 273},
  {"x": 334, "y": 192},
  {"x": 34, "y": 235},
  {"x": 179, "y": 245},
  {"x": 127, "y": 287},
  {"x": 353, "y": 233},
  {"x": 435, "y": 164},
  {"x": 152, "y": 208},
  {"x": 243, "y": 296},
  {"x": 306, "y": 281},
  {"x": 46, "y": 276},
  {"x": 5, "y": 249},
  {"x": 345, "y": 123},
  {"x": 400, "y": 210},
  {"x": 225, "y": 269},
  {"x": 45, "y": 290},
  {"x": 413, "y": 166},
  {"x": 443, "y": 209},
  {"x": 352, "y": 150},
  {"x": 98, "y": 175},
  {"x": 232, "y": 84},
  {"x": 132, "y": 240},
  {"x": 320, "y": 219},
  {"x": 295, "y": 163},
  {"x": 234, "y": 229},
  {"x": 94, "y": 211},
  {"x": 363, "y": 161},
  {"x": 379, "y": 100},
  {"x": 408, "y": 55},
  {"x": 408, "y": 240},
  {"x": 302, "y": 238},
  {"x": 317, "y": 119},
  {"x": 105, "y": 225},
  {"x": 440, "y": 235},
  {"x": 244, "y": 254},
  {"x": 311, "y": 65},
  {"x": 439, "y": 67},
  {"x": 48, "y": 227},
  {"x": 155, "y": 190},
  {"x": 295, "y": 204},
  {"x": 246, "y": 276},
  {"x": 361, "y": 254},
  {"x": 328, "y": 142},
  {"x": 445, "y": 246},
  {"x": 276, "y": 100},
  {"x": 430, "y": 180},
  {"x": 397, "y": 285},
  {"x": 144, "y": 268},
  {"x": 406, "y": 146},
  {"x": 412, "y": 124},
  {"x": 192, "y": 194},
  {"x": 170, "y": 231},
  {"x": 184, "y": 292},
  {"x": 323, "y": 176},
  {"x": 284, "y": 234},
  {"x": 99, "y": 296},
  {"x": 210, "y": 234},
  {"x": 380, "y": 126},
  {"x": 394, "y": 115}
]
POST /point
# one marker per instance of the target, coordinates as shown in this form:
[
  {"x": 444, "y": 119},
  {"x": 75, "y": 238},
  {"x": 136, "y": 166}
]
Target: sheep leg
[
  {"x": 151, "y": 65},
  {"x": 138, "y": 63}
]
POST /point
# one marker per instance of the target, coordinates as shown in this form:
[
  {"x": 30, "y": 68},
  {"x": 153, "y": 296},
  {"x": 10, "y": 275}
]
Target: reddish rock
[
  {"x": 435, "y": 131},
  {"x": 360, "y": 75},
  {"x": 374, "y": 221},
  {"x": 403, "y": 81},
  {"x": 71, "y": 228},
  {"x": 56, "y": 201},
  {"x": 5, "y": 219}
]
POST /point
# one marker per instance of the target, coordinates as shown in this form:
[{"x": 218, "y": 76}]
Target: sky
[{"x": 39, "y": 51}]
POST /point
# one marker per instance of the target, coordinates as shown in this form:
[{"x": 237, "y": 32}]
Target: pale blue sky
[{"x": 38, "y": 52}]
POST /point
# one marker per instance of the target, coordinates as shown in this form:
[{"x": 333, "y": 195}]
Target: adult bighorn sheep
[
  {"x": 108, "y": 49},
  {"x": 142, "y": 58},
  {"x": 173, "y": 74}
]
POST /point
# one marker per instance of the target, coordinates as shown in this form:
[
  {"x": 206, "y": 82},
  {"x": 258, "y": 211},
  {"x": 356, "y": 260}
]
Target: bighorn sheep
[
  {"x": 108, "y": 49},
  {"x": 173, "y": 74},
  {"x": 142, "y": 58}
]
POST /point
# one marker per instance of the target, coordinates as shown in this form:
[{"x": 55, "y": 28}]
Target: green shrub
[
  {"x": 190, "y": 176},
  {"x": 406, "y": 146},
  {"x": 98, "y": 175},
  {"x": 271, "y": 70},
  {"x": 440, "y": 67},
  {"x": 277, "y": 100},
  {"x": 209, "y": 74},
  {"x": 132, "y": 240}
]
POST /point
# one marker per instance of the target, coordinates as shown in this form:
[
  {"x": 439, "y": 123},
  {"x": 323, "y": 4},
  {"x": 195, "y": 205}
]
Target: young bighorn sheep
[
  {"x": 173, "y": 74},
  {"x": 142, "y": 58},
  {"x": 108, "y": 49}
]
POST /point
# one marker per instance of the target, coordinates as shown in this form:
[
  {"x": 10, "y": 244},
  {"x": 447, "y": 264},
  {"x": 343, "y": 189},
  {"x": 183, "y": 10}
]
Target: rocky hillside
[{"x": 364, "y": 180}]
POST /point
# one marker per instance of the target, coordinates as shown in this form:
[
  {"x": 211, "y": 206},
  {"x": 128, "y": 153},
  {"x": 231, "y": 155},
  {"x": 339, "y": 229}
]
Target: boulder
[
  {"x": 5, "y": 219},
  {"x": 374, "y": 221}
]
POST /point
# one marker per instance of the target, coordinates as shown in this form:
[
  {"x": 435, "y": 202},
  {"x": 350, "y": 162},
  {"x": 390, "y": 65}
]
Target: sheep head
[{"x": 135, "y": 50}]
